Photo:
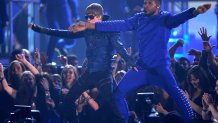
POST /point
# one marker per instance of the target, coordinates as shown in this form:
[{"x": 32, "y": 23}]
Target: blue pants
[{"x": 162, "y": 78}]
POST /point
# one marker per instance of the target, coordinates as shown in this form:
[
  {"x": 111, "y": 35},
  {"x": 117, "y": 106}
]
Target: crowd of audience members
[{"x": 45, "y": 86}]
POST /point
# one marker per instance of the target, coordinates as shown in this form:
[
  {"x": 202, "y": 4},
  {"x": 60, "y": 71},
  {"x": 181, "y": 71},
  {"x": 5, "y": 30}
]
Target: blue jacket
[
  {"x": 100, "y": 46},
  {"x": 153, "y": 33}
]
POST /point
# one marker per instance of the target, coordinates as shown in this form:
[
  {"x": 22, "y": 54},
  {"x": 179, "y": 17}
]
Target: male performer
[
  {"x": 99, "y": 52},
  {"x": 153, "y": 28}
]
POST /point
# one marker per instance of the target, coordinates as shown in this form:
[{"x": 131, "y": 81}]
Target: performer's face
[
  {"x": 91, "y": 18},
  {"x": 151, "y": 7}
]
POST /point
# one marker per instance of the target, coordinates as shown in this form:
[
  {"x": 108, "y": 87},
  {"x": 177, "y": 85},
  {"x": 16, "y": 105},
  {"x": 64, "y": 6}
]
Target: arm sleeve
[
  {"x": 115, "y": 40},
  {"x": 173, "y": 21},
  {"x": 56, "y": 32},
  {"x": 118, "y": 25}
]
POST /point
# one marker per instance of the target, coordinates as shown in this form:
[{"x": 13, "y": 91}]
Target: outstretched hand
[
  {"x": 202, "y": 9},
  {"x": 203, "y": 34},
  {"x": 30, "y": 25},
  {"x": 80, "y": 26}
]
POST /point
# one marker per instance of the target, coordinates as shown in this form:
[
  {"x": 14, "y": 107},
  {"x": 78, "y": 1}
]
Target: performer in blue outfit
[{"x": 153, "y": 28}]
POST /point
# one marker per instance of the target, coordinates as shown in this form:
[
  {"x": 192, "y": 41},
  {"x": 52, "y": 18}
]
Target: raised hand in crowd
[
  {"x": 63, "y": 60},
  {"x": 173, "y": 49},
  {"x": 194, "y": 52},
  {"x": 22, "y": 59},
  {"x": 203, "y": 34},
  {"x": 37, "y": 57}
]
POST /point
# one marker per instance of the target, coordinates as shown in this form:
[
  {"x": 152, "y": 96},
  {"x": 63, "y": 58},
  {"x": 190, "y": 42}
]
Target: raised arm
[
  {"x": 115, "y": 40},
  {"x": 180, "y": 18},
  {"x": 38, "y": 63},
  {"x": 208, "y": 49},
  {"x": 213, "y": 63},
  {"x": 173, "y": 49},
  {"x": 114, "y": 25},
  {"x": 56, "y": 32},
  {"x": 22, "y": 59},
  {"x": 7, "y": 88}
]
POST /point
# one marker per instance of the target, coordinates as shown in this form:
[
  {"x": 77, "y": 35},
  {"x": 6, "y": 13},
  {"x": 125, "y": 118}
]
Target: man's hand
[
  {"x": 30, "y": 25},
  {"x": 203, "y": 34},
  {"x": 194, "y": 52},
  {"x": 21, "y": 58},
  {"x": 180, "y": 42},
  {"x": 80, "y": 26},
  {"x": 202, "y": 9}
]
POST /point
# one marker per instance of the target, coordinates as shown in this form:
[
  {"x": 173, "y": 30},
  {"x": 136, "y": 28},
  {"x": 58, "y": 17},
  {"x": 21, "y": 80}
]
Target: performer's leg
[
  {"x": 165, "y": 79},
  {"x": 105, "y": 87},
  {"x": 131, "y": 81}
]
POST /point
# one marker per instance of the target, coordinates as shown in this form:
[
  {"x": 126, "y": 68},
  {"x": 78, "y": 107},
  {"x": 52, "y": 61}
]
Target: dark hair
[
  {"x": 72, "y": 59},
  {"x": 20, "y": 51},
  {"x": 200, "y": 74},
  {"x": 184, "y": 59},
  {"x": 95, "y": 8},
  {"x": 14, "y": 53}
]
